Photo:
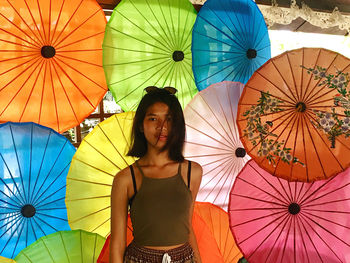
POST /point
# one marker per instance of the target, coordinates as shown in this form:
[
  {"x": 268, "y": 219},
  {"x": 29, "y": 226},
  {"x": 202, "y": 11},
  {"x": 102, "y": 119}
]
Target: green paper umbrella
[
  {"x": 63, "y": 247},
  {"x": 148, "y": 43}
]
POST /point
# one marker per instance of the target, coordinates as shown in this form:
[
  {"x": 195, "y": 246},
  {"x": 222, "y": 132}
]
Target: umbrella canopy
[
  {"x": 274, "y": 220},
  {"x": 148, "y": 43},
  {"x": 281, "y": 113},
  {"x": 100, "y": 156},
  {"x": 48, "y": 51},
  {"x": 229, "y": 42},
  {"x": 63, "y": 247},
  {"x": 212, "y": 140},
  {"x": 211, "y": 227},
  {"x": 34, "y": 161},
  {"x": 6, "y": 260}
]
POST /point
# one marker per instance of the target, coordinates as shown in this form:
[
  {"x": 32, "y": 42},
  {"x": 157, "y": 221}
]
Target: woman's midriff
[{"x": 165, "y": 247}]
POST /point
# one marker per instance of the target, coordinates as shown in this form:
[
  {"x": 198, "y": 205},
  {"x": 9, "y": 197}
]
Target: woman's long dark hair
[{"x": 176, "y": 138}]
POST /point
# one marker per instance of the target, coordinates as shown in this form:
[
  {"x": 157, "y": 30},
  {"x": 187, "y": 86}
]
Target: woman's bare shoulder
[
  {"x": 196, "y": 167},
  {"x": 123, "y": 176}
]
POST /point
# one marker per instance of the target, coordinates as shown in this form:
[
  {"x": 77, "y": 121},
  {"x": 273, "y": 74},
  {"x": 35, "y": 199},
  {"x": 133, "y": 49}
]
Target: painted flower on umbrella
[
  {"x": 332, "y": 123},
  {"x": 258, "y": 132}
]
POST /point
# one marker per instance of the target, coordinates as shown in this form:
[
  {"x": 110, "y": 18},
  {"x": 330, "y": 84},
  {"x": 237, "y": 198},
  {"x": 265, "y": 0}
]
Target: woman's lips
[{"x": 162, "y": 137}]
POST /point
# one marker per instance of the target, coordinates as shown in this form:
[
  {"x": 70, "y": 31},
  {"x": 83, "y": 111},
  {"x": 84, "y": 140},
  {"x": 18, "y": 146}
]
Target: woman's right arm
[{"x": 119, "y": 207}]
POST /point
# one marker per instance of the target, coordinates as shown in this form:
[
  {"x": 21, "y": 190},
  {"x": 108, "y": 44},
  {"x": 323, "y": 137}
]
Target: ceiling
[{"x": 298, "y": 25}]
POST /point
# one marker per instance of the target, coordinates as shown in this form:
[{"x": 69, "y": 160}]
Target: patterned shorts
[{"x": 138, "y": 254}]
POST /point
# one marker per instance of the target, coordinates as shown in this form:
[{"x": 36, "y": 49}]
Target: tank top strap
[
  {"x": 179, "y": 169},
  {"x": 139, "y": 168}
]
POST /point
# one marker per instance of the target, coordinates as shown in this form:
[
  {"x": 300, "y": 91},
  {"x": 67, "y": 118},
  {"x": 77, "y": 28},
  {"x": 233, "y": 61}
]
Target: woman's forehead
[{"x": 158, "y": 108}]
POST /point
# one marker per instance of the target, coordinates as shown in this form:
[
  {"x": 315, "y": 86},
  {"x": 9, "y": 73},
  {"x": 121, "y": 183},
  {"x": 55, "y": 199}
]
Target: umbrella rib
[
  {"x": 130, "y": 50},
  {"x": 51, "y": 216},
  {"x": 208, "y": 146},
  {"x": 166, "y": 23},
  {"x": 77, "y": 41},
  {"x": 84, "y": 75},
  {"x": 54, "y": 95},
  {"x": 182, "y": 40},
  {"x": 30, "y": 46},
  {"x": 294, "y": 81},
  {"x": 225, "y": 163},
  {"x": 172, "y": 32},
  {"x": 42, "y": 91},
  {"x": 39, "y": 43},
  {"x": 330, "y": 232},
  {"x": 315, "y": 148},
  {"x": 313, "y": 98},
  {"x": 52, "y": 182},
  {"x": 213, "y": 112},
  {"x": 31, "y": 91},
  {"x": 232, "y": 175},
  {"x": 42, "y": 22},
  {"x": 20, "y": 202},
  {"x": 311, "y": 117},
  {"x": 57, "y": 22},
  {"x": 160, "y": 26},
  {"x": 49, "y": 172},
  {"x": 34, "y": 22},
  {"x": 217, "y": 29},
  {"x": 207, "y": 135},
  {"x": 291, "y": 103},
  {"x": 75, "y": 85},
  {"x": 316, "y": 85},
  {"x": 65, "y": 92},
  {"x": 328, "y": 202},
  {"x": 101, "y": 224},
  {"x": 76, "y": 28},
  {"x": 111, "y": 142},
  {"x": 96, "y": 168},
  {"x": 263, "y": 227},
  {"x": 91, "y": 214},
  {"x": 20, "y": 220},
  {"x": 166, "y": 52},
  {"x": 233, "y": 10},
  {"x": 212, "y": 38},
  {"x": 295, "y": 142},
  {"x": 284, "y": 81},
  {"x": 54, "y": 41},
  {"x": 87, "y": 198},
  {"x": 235, "y": 133},
  {"x": 41, "y": 203},
  {"x": 79, "y": 60},
  {"x": 16, "y": 206},
  {"x": 324, "y": 218}
]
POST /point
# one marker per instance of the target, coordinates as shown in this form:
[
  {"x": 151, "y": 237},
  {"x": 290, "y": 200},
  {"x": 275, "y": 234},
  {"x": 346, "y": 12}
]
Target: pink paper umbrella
[
  {"x": 274, "y": 220},
  {"x": 212, "y": 140}
]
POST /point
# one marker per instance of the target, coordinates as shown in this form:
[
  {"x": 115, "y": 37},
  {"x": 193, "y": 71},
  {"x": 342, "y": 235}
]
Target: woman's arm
[
  {"x": 196, "y": 178},
  {"x": 119, "y": 206}
]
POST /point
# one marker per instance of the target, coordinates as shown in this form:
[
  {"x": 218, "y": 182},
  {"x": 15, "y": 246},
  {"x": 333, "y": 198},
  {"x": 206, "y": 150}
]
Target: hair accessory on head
[{"x": 170, "y": 90}]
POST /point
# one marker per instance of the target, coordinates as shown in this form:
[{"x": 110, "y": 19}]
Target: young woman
[{"x": 160, "y": 187}]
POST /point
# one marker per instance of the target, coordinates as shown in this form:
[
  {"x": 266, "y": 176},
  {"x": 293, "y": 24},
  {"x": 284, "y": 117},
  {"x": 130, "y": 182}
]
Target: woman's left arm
[{"x": 196, "y": 178}]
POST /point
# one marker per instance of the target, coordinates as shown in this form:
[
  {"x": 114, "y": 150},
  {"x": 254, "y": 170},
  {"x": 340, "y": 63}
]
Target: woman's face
[{"x": 157, "y": 125}]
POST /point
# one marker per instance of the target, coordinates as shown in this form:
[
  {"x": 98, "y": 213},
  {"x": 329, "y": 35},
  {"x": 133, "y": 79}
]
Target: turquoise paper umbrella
[
  {"x": 230, "y": 41},
  {"x": 34, "y": 162}
]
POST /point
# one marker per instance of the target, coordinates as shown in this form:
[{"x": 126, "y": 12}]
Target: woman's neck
[{"x": 156, "y": 158}]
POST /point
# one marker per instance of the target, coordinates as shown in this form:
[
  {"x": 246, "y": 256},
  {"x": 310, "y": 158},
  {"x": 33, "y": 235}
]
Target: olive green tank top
[{"x": 160, "y": 209}]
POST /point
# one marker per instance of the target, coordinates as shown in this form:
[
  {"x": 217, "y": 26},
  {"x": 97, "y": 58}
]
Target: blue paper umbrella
[
  {"x": 229, "y": 42},
  {"x": 34, "y": 163}
]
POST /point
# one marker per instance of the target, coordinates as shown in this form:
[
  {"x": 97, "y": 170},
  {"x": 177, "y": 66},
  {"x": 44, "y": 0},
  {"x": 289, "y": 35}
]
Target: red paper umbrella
[
  {"x": 212, "y": 140},
  {"x": 51, "y": 61},
  {"x": 274, "y": 220},
  {"x": 294, "y": 115}
]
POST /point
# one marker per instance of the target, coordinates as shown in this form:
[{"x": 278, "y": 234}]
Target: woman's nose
[{"x": 163, "y": 125}]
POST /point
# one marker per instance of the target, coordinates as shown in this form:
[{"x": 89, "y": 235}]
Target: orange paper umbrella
[
  {"x": 293, "y": 115},
  {"x": 51, "y": 61},
  {"x": 211, "y": 227}
]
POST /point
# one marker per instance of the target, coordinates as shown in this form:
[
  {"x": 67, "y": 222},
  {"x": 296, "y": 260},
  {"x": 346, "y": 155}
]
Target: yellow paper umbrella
[
  {"x": 100, "y": 156},
  {"x": 6, "y": 260}
]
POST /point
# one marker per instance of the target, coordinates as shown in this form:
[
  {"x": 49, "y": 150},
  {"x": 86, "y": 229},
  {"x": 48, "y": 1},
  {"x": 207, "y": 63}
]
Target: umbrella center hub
[
  {"x": 294, "y": 208},
  {"x": 48, "y": 51},
  {"x": 251, "y": 53},
  {"x": 240, "y": 152},
  {"x": 28, "y": 210},
  {"x": 300, "y": 106},
  {"x": 178, "y": 55}
]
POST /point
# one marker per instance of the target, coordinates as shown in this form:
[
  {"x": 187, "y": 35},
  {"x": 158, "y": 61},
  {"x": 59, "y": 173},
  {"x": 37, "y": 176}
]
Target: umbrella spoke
[
  {"x": 293, "y": 75},
  {"x": 54, "y": 95},
  {"x": 188, "y": 37},
  {"x": 40, "y": 203},
  {"x": 75, "y": 29},
  {"x": 41, "y": 38},
  {"x": 97, "y": 168},
  {"x": 77, "y": 41},
  {"x": 129, "y": 50},
  {"x": 90, "y": 214},
  {"x": 308, "y": 212},
  {"x": 79, "y": 60},
  {"x": 16, "y": 205},
  {"x": 53, "y": 40},
  {"x": 46, "y": 40},
  {"x": 39, "y": 41},
  {"x": 32, "y": 89},
  {"x": 44, "y": 222},
  {"x": 15, "y": 224},
  {"x": 94, "y": 230},
  {"x": 58, "y": 76},
  {"x": 29, "y": 44},
  {"x": 290, "y": 102},
  {"x": 208, "y": 146},
  {"x": 316, "y": 232},
  {"x": 59, "y": 175},
  {"x": 89, "y": 198},
  {"x": 20, "y": 200},
  {"x": 50, "y": 216},
  {"x": 312, "y": 93},
  {"x": 57, "y": 22}
]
